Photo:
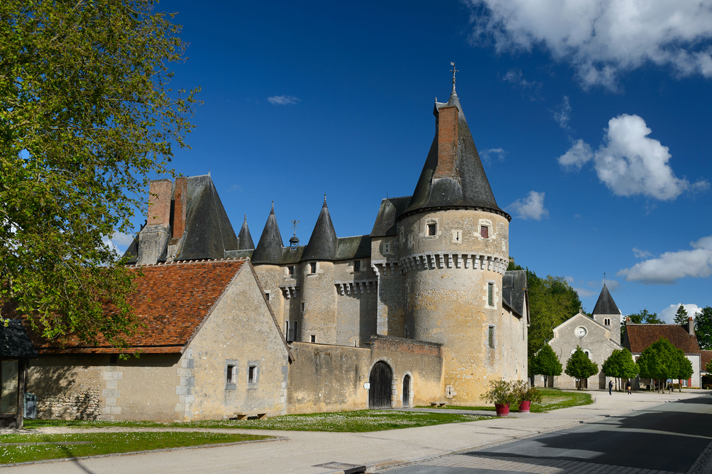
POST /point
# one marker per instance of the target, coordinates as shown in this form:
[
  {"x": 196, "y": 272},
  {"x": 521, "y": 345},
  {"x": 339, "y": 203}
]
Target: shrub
[{"x": 500, "y": 392}]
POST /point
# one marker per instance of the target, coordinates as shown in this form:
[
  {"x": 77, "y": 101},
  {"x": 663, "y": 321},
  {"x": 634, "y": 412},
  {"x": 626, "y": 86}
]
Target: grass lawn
[
  {"x": 553, "y": 400},
  {"x": 346, "y": 421},
  {"x": 36, "y": 447}
]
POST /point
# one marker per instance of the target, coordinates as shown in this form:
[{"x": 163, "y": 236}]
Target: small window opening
[
  {"x": 267, "y": 295},
  {"x": 387, "y": 247},
  {"x": 230, "y": 375},
  {"x": 490, "y": 294},
  {"x": 303, "y": 305},
  {"x": 432, "y": 229},
  {"x": 252, "y": 374},
  {"x": 484, "y": 232},
  {"x": 607, "y": 321},
  {"x": 290, "y": 269},
  {"x": 312, "y": 267},
  {"x": 357, "y": 265},
  {"x": 313, "y": 338},
  {"x": 490, "y": 337}
]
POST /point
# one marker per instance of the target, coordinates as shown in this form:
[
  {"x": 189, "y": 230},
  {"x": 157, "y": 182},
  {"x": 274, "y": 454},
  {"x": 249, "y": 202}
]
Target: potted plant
[
  {"x": 526, "y": 395},
  {"x": 501, "y": 394}
]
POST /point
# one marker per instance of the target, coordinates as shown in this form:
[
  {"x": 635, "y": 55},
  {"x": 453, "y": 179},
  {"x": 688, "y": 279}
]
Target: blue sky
[{"x": 592, "y": 117}]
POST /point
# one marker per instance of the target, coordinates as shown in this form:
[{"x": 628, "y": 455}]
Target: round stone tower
[{"x": 453, "y": 248}]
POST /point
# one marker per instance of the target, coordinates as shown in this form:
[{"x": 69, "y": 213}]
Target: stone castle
[{"x": 431, "y": 276}]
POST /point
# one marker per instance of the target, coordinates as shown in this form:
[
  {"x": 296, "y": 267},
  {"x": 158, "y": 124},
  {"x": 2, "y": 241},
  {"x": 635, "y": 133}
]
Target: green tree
[
  {"x": 703, "y": 327},
  {"x": 708, "y": 367},
  {"x": 546, "y": 363},
  {"x": 683, "y": 367},
  {"x": 87, "y": 113},
  {"x": 620, "y": 365},
  {"x": 580, "y": 366},
  {"x": 681, "y": 315},
  {"x": 659, "y": 361}
]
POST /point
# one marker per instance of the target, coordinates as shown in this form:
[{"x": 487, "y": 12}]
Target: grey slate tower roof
[
  {"x": 515, "y": 291},
  {"x": 208, "y": 232},
  {"x": 605, "y": 303},
  {"x": 269, "y": 248},
  {"x": 323, "y": 241},
  {"x": 14, "y": 341},
  {"x": 469, "y": 188},
  {"x": 244, "y": 239}
]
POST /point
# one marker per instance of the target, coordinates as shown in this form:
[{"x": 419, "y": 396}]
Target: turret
[
  {"x": 269, "y": 248},
  {"x": 244, "y": 239}
]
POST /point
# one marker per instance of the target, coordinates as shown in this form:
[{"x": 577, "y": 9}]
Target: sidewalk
[{"x": 302, "y": 451}]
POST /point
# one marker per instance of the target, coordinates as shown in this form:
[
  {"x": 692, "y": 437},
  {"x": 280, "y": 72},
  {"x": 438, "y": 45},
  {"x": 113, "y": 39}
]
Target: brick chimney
[
  {"x": 179, "y": 207},
  {"x": 447, "y": 142},
  {"x": 159, "y": 202},
  {"x": 690, "y": 326}
]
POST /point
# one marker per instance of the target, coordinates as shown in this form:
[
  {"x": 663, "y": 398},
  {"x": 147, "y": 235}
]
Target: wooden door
[{"x": 381, "y": 382}]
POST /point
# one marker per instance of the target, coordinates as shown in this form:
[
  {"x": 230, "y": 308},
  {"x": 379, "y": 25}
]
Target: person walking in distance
[
  {"x": 628, "y": 386},
  {"x": 610, "y": 387}
]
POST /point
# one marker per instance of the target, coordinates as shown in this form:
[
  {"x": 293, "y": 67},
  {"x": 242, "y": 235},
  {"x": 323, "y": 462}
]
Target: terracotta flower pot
[
  {"x": 524, "y": 406},
  {"x": 502, "y": 410}
]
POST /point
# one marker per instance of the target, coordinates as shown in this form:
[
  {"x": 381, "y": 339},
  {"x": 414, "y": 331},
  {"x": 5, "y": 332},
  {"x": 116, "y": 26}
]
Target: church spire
[
  {"x": 605, "y": 303},
  {"x": 269, "y": 248}
]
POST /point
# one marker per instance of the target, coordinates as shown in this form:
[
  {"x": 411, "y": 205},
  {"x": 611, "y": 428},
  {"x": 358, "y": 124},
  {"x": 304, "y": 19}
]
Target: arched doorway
[
  {"x": 406, "y": 391},
  {"x": 380, "y": 381}
]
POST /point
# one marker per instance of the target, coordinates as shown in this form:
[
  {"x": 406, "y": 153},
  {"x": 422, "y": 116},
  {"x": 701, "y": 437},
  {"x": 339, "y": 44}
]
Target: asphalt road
[{"x": 667, "y": 438}]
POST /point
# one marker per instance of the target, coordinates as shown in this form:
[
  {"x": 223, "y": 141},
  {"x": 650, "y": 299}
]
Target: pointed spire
[
  {"x": 605, "y": 303},
  {"x": 322, "y": 244},
  {"x": 244, "y": 239},
  {"x": 269, "y": 248}
]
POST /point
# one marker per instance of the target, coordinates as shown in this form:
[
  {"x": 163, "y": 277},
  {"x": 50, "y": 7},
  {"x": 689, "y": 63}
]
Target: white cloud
[
  {"x": 488, "y": 156},
  {"x": 118, "y": 242},
  {"x": 531, "y": 207},
  {"x": 515, "y": 76},
  {"x": 569, "y": 280},
  {"x": 601, "y": 38},
  {"x": 641, "y": 253},
  {"x": 668, "y": 314},
  {"x": 630, "y": 163},
  {"x": 562, "y": 114},
  {"x": 584, "y": 293},
  {"x": 283, "y": 100},
  {"x": 671, "y": 266}
]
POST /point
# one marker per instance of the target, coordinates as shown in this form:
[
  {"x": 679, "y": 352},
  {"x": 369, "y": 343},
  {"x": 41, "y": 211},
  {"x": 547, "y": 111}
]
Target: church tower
[
  {"x": 453, "y": 248},
  {"x": 607, "y": 313}
]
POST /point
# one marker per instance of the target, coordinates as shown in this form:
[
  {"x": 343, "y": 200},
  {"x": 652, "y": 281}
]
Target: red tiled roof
[
  {"x": 706, "y": 358},
  {"x": 172, "y": 301},
  {"x": 641, "y": 336}
]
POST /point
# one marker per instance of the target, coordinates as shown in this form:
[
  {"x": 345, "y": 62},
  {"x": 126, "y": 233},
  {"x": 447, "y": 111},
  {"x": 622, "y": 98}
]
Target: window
[
  {"x": 490, "y": 337},
  {"x": 230, "y": 374},
  {"x": 484, "y": 232},
  {"x": 303, "y": 305},
  {"x": 386, "y": 247},
  {"x": 357, "y": 265},
  {"x": 402, "y": 235},
  {"x": 312, "y": 267},
  {"x": 290, "y": 330},
  {"x": 607, "y": 321},
  {"x": 432, "y": 229},
  {"x": 410, "y": 239},
  {"x": 252, "y": 374},
  {"x": 490, "y": 294},
  {"x": 290, "y": 270},
  {"x": 267, "y": 295},
  {"x": 457, "y": 236},
  {"x": 313, "y": 338}
]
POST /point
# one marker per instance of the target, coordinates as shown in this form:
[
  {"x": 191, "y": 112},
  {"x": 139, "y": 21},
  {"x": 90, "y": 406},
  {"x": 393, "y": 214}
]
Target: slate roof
[
  {"x": 388, "y": 213},
  {"x": 244, "y": 239},
  {"x": 172, "y": 300},
  {"x": 515, "y": 291},
  {"x": 639, "y": 337},
  {"x": 14, "y": 341},
  {"x": 605, "y": 303},
  {"x": 468, "y": 188},
  {"x": 323, "y": 241},
  {"x": 208, "y": 231},
  {"x": 269, "y": 248}
]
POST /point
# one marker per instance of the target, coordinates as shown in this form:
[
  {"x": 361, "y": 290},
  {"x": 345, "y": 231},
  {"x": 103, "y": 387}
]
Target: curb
[{"x": 131, "y": 453}]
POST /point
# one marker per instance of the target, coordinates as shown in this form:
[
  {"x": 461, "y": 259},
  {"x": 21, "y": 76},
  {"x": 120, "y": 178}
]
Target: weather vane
[
  {"x": 453, "y": 70},
  {"x": 294, "y": 224}
]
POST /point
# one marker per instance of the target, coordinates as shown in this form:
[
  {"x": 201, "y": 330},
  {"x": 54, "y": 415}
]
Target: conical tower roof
[
  {"x": 322, "y": 243},
  {"x": 460, "y": 182},
  {"x": 269, "y": 248},
  {"x": 605, "y": 303},
  {"x": 244, "y": 239}
]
